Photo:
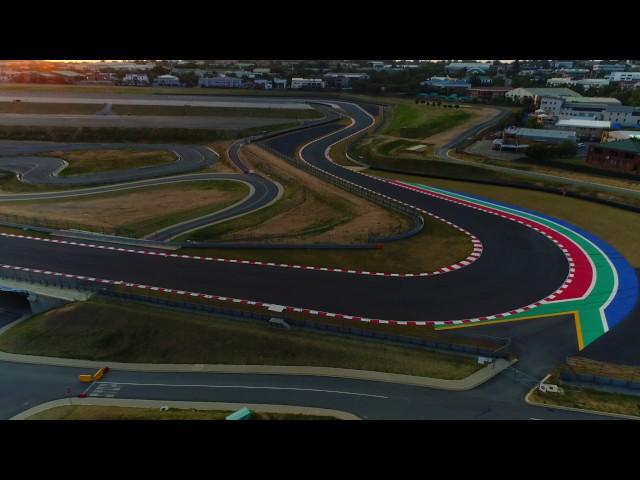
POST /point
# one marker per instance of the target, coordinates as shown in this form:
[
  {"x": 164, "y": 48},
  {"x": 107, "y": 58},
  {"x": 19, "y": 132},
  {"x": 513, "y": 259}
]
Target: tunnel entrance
[{"x": 13, "y": 304}]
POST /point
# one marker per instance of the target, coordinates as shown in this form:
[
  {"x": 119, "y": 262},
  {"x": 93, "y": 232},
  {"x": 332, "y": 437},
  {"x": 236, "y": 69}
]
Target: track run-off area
[{"x": 524, "y": 264}]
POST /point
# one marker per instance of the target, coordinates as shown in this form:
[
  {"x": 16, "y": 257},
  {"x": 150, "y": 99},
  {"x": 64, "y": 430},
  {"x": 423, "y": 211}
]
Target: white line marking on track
[{"x": 248, "y": 387}]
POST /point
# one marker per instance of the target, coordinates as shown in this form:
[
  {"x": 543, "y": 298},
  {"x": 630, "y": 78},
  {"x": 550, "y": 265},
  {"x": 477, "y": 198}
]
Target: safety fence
[
  {"x": 578, "y": 369},
  {"x": 494, "y": 347}
]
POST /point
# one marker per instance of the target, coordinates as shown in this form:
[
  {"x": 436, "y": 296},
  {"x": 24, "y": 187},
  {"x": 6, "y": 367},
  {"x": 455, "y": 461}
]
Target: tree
[
  {"x": 532, "y": 122},
  {"x": 538, "y": 152},
  {"x": 567, "y": 149}
]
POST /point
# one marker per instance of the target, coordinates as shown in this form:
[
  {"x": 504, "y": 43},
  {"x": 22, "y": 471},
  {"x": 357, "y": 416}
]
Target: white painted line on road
[{"x": 247, "y": 387}]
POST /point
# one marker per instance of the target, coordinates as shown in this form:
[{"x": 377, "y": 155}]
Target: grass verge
[
  {"x": 126, "y": 332},
  {"x": 96, "y": 412},
  {"x": 419, "y": 121},
  {"x": 93, "y": 161},
  {"x": 139, "y": 135},
  {"x": 132, "y": 213},
  {"x": 588, "y": 399},
  {"x": 438, "y": 245}
]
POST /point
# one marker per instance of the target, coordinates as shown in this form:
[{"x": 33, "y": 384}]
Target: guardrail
[{"x": 109, "y": 291}]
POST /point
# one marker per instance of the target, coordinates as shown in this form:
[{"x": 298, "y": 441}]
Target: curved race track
[
  {"x": 22, "y": 159},
  {"x": 528, "y": 263}
]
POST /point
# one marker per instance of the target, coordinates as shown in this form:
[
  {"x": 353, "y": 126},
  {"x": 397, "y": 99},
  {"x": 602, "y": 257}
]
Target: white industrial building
[
  {"x": 613, "y": 67},
  {"x": 623, "y": 115},
  {"x": 536, "y": 94},
  {"x": 585, "y": 129},
  {"x": 166, "y": 81},
  {"x": 136, "y": 79},
  {"x": 298, "y": 83},
  {"x": 591, "y": 108},
  {"x": 585, "y": 82},
  {"x": 221, "y": 81},
  {"x": 624, "y": 77}
]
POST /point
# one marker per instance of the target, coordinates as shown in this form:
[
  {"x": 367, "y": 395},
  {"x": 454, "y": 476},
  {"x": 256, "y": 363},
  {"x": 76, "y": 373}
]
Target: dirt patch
[
  {"x": 480, "y": 114},
  {"x": 352, "y": 218},
  {"x": 113, "y": 210}
]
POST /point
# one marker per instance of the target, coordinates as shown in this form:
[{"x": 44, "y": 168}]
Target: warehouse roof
[
  {"x": 610, "y": 100},
  {"x": 549, "y": 92},
  {"x": 630, "y": 145},
  {"x": 577, "y": 123},
  {"x": 540, "y": 133},
  {"x": 68, "y": 73}
]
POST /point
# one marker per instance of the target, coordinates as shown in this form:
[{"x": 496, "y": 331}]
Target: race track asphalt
[{"x": 518, "y": 266}]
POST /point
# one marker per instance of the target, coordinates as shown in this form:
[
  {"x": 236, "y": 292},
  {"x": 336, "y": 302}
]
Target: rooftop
[
  {"x": 551, "y": 92},
  {"x": 536, "y": 132},
  {"x": 580, "y": 99},
  {"x": 629, "y": 145},
  {"x": 574, "y": 122}
]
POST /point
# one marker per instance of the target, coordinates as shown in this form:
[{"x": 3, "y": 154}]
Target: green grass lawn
[
  {"x": 620, "y": 228},
  {"x": 9, "y": 183},
  {"x": 438, "y": 245},
  {"x": 419, "y": 121},
  {"x": 136, "y": 135},
  {"x": 94, "y": 161},
  {"x": 589, "y": 399},
  {"x": 127, "y": 332},
  {"x": 103, "y": 412}
]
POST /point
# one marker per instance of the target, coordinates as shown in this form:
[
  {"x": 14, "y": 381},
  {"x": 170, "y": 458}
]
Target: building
[
  {"x": 375, "y": 65},
  {"x": 563, "y": 64},
  {"x": 536, "y": 94},
  {"x": 609, "y": 67},
  {"x": 527, "y": 136},
  {"x": 622, "y": 116},
  {"x": 343, "y": 80},
  {"x": 446, "y": 82},
  {"x": 616, "y": 77},
  {"x": 137, "y": 79},
  {"x": 307, "y": 83},
  {"x": 69, "y": 76},
  {"x": 590, "y": 130},
  {"x": 221, "y": 81},
  {"x": 488, "y": 93},
  {"x": 519, "y": 139},
  {"x": 586, "y": 83},
  {"x": 592, "y": 108},
  {"x": 263, "y": 84},
  {"x": 567, "y": 107},
  {"x": 468, "y": 67},
  {"x": 280, "y": 83},
  {"x": 622, "y": 155},
  {"x": 615, "y": 135},
  {"x": 166, "y": 81},
  {"x": 483, "y": 80}
]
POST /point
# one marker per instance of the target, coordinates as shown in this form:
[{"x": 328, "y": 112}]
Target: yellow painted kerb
[{"x": 575, "y": 313}]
